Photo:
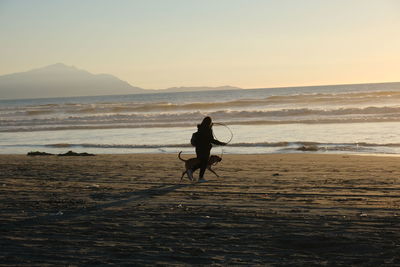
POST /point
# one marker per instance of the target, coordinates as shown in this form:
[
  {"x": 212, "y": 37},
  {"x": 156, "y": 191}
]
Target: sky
[{"x": 156, "y": 44}]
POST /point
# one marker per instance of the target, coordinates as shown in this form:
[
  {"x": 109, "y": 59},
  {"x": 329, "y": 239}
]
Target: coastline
[
  {"x": 265, "y": 209},
  {"x": 365, "y": 138}
]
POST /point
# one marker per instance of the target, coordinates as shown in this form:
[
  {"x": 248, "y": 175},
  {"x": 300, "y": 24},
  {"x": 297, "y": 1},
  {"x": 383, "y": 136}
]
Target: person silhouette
[{"x": 203, "y": 144}]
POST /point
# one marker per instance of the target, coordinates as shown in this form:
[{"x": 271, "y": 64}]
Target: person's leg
[
  {"x": 203, "y": 168},
  {"x": 203, "y": 163},
  {"x": 195, "y": 167},
  {"x": 189, "y": 173},
  {"x": 198, "y": 156}
]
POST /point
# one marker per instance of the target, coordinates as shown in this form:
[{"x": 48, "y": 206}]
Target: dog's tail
[{"x": 179, "y": 157}]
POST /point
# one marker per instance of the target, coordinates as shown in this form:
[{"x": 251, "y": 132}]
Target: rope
[
  {"x": 230, "y": 139},
  {"x": 229, "y": 129}
]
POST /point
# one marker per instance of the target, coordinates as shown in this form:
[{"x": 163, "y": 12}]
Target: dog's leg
[
  {"x": 209, "y": 168},
  {"x": 183, "y": 174}
]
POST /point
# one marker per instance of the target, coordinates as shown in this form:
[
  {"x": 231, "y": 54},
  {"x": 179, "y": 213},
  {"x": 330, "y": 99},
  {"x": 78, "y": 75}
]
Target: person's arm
[
  {"x": 215, "y": 141},
  {"x": 218, "y": 143}
]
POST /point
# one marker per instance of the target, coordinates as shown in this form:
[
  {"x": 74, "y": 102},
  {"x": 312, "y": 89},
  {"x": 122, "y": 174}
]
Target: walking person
[{"x": 203, "y": 140}]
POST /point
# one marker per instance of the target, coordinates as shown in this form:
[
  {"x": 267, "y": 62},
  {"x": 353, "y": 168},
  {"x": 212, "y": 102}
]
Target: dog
[{"x": 192, "y": 162}]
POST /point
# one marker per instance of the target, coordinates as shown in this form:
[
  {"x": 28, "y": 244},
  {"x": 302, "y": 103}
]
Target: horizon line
[{"x": 158, "y": 90}]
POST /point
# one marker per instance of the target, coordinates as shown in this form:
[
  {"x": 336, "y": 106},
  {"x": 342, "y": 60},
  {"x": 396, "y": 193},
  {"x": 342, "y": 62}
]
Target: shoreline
[
  {"x": 369, "y": 138},
  {"x": 224, "y": 154}
]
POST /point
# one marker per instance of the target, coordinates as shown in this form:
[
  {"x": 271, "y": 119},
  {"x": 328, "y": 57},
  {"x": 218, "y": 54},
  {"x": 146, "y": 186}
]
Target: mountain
[
  {"x": 59, "y": 80},
  {"x": 198, "y": 88}
]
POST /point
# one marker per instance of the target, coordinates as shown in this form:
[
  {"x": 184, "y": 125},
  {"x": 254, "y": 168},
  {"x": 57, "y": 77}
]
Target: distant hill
[{"x": 59, "y": 80}]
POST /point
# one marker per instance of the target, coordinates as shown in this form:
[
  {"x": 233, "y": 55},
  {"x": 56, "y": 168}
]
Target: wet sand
[{"x": 299, "y": 209}]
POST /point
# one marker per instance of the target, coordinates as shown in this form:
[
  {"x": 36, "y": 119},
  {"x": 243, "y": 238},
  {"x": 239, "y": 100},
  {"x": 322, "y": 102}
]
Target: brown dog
[{"x": 192, "y": 162}]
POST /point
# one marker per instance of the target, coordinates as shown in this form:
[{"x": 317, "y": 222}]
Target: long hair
[{"x": 206, "y": 123}]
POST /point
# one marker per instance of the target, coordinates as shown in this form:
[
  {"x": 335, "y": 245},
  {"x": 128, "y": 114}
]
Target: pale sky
[{"x": 157, "y": 44}]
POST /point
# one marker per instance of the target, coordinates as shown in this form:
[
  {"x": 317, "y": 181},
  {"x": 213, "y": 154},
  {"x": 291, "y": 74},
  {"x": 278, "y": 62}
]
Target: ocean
[{"x": 357, "y": 119}]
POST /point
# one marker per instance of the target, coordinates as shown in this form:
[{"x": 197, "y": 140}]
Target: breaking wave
[
  {"x": 183, "y": 119},
  {"x": 341, "y": 99},
  {"x": 380, "y": 106}
]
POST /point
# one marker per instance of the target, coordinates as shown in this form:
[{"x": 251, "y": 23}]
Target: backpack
[{"x": 194, "y": 139}]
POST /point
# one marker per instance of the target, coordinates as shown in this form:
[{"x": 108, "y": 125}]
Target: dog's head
[{"x": 215, "y": 159}]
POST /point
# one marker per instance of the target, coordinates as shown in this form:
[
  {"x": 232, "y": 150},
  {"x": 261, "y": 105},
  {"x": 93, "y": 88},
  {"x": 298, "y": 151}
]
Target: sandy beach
[{"x": 282, "y": 209}]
